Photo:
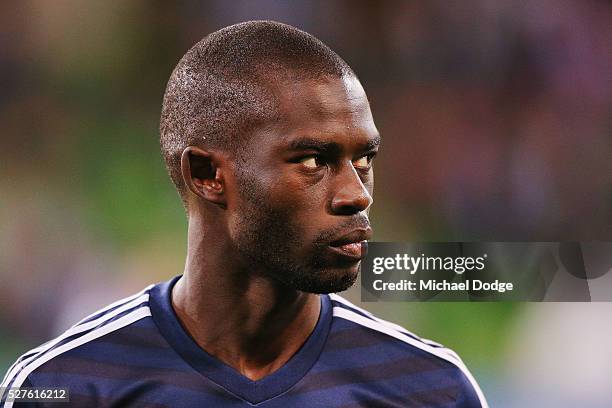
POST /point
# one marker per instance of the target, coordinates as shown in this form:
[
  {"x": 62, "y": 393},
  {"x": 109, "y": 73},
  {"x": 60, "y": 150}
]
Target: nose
[{"x": 351, "y": 195}]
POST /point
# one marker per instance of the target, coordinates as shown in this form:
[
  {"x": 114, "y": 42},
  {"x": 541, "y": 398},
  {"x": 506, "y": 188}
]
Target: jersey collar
[{"x": 227, "y": 377}]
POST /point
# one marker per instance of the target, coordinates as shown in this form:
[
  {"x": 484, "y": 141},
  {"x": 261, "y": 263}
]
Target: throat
[{"x": 250, "y": 333}]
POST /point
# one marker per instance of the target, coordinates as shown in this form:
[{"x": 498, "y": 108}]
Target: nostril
[
  {"x": 346, "y": 210},
  {"x": 351, "y": 205}
]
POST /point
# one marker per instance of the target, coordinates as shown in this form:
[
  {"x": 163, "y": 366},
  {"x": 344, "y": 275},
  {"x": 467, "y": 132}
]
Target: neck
[{"x": 241, "y": 317}]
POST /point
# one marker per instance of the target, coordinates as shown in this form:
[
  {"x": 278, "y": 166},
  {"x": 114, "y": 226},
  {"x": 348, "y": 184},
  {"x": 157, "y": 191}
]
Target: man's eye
[
  {"x": 363, "y": 162},
  {"x": 310, "y": 162}
]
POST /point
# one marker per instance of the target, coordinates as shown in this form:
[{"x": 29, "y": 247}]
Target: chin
[{"x": 330, "y": 280}]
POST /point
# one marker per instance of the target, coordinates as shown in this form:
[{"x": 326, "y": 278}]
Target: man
[{"x": 268, "y": 136}]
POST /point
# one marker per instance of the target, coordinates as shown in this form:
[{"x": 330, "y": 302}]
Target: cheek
[
  {"x": 369, "y": 182},
  {"x": 299, "y": 193},
  {"x": 303, "y": 206},
  {"x": 283, "y": 197}
]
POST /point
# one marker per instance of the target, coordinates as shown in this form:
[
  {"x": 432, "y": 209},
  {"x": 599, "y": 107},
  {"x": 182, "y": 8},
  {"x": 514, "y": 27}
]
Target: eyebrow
[{"x": 307, "y": 143}]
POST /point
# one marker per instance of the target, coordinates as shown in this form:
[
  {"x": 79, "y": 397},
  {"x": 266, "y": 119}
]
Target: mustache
[{"x": 356, "y": 222}]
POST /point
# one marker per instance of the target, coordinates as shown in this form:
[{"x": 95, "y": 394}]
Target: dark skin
[{"x": 286, "y": 219}]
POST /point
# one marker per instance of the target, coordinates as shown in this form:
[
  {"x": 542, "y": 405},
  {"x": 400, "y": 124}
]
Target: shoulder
[
  {"x": 76, "y": 347},
  {"x": 368, "y": 329}
]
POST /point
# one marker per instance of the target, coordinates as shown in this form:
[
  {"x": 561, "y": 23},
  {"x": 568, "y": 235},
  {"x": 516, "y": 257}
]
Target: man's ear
[{"x": 202, "y": 175}]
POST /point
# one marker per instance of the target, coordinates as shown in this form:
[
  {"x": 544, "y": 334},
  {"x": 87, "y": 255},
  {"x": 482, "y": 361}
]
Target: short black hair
[{"x": 219, "y": 91}]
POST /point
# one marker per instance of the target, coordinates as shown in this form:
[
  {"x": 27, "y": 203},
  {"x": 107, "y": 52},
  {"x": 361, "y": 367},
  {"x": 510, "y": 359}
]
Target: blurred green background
[{"x": 496, "y": 120}]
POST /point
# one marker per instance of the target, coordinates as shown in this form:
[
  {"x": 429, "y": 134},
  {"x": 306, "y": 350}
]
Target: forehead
[{"x": 328, "y": 107}]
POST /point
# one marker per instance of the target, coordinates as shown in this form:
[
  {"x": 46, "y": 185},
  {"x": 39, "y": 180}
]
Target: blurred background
[{"x": 496, "y": 120}]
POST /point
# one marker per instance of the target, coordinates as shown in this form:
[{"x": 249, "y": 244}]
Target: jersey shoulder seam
[
  {"x": 344, "y": 309},
  {"x": 113, "y": 317}
]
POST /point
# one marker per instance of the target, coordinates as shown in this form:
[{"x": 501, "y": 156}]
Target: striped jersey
[{"x": 135, "y": 353}]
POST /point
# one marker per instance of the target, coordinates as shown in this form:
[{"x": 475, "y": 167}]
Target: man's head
[{"x": 269, "y": 133}]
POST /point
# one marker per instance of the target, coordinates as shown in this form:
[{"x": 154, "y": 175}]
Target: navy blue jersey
[{"x": 135, "y": 353}]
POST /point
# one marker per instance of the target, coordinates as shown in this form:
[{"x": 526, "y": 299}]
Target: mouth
[
  {"x": 353, "y": 245},
  {"x": 355, "y": 251}
]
